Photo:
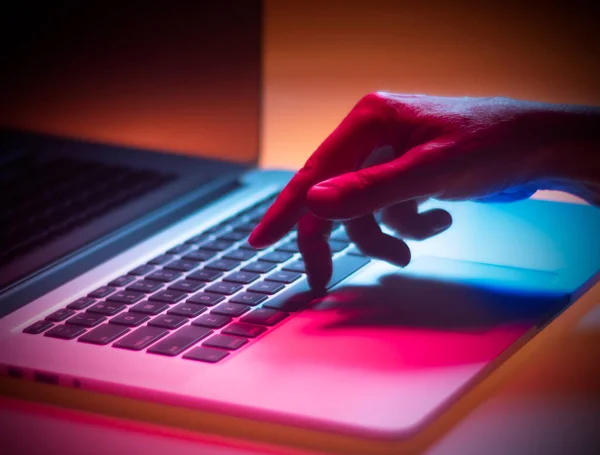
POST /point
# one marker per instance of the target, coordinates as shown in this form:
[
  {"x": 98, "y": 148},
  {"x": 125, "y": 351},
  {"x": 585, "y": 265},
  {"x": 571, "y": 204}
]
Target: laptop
[{"x": 125, "y": 272}]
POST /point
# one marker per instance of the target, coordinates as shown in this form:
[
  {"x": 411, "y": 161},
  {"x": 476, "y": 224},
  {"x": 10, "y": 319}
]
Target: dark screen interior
[{"x": 175, "y": 76}]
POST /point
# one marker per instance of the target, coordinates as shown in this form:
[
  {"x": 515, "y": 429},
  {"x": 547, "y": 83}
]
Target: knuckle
[
  {"x": 375, "y": 111},
  {"x": 373, "y": 100},
  {"x": 363, "y": 179}
]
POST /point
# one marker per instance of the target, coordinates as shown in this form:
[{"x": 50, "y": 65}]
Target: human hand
[{"x": 393, "y": 152}]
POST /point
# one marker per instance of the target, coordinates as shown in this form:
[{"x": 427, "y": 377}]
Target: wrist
[{"x": 567, "y": 142}]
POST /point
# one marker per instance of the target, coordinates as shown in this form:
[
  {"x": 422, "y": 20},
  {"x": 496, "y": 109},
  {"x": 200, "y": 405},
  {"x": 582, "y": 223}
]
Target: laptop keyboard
[
  {"x": 60, "y": 195},
  {"x": 204, "y": 298}
]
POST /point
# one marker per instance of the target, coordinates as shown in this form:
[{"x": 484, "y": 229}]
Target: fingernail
[
  {"x": 442, "y": 226},
  {"x": 325, "y": 193}
]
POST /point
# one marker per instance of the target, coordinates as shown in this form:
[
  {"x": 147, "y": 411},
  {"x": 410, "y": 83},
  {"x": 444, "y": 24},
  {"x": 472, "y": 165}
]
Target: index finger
[{"x": 365, "y": 128}]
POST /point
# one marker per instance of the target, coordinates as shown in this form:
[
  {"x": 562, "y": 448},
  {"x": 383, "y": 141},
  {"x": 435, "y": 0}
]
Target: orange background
[
  {"x": 138, "y": 80},
  {"x": 321, "y": 56},
  {"x": 173, "y": 75}
]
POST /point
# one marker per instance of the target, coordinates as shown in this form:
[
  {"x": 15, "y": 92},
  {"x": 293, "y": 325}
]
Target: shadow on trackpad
[{"x": 447, "y": 294}]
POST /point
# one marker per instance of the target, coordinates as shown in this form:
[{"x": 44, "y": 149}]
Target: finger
[
  {"x": 419, "y": 173},
  {"x": 363, "y": 130},
  {"x": 373, "y": 242},
  {"x": 313, "y": 243},
  {"x": 405, "y": 219}
]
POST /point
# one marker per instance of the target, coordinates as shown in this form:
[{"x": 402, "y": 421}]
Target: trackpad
[
  {"x": 454, "y": 294},
  {"x": 436, "y": 313},
  {"x": 483, "y": 274}
]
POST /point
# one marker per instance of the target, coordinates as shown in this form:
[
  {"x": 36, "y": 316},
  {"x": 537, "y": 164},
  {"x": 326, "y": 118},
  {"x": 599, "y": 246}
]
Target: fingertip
[
  {"x": 254, "y": 238},
  {"x": 318, "y": 284},
  {"x": 319, "y": 268},
  {"x": 257, "y": 238},
  {"x": 436, "y": 220}
]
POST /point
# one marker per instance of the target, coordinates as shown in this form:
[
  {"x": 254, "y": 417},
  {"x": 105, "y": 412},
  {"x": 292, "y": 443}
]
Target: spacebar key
[
  {"x": 141, "y": 338},
  {"x": 300, "y": 295},
  {"x": 344, "y": 266},
  {"x": 179, "y": 341}
]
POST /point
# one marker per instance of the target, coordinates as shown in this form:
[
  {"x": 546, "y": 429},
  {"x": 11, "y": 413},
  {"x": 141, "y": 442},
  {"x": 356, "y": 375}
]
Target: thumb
[{"x": 413, "y": 175}]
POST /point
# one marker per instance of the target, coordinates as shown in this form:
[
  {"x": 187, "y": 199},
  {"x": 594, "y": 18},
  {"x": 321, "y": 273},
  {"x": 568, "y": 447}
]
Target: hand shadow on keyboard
[{"x": 409, "y": 302}]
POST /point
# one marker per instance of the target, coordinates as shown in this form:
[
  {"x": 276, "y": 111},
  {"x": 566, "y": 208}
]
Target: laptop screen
[{"x": 172, "y": 76}]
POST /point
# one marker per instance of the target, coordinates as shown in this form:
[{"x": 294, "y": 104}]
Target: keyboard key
[
  {"x": 266, "y": 287},
  {"x": 180, "y": 249},
  {"x": 180, "y": 341},
  {"x": 104, "y": 334},
  {"x": 224, "y": 265},
  {"x": 168, "y": 296},
  {"x": 161, "y": 260},
  {"x": 86, "y": 319},
  {"x": 218, "y": 228},
  {"x": 296, "y": 266},
  {"x": 141, "y": 338},
  {"x": 164, "y": 276},
  {"x": 258, "y": 212},
  {"x": 142, "y": 270},
  {"x": 199, "y": 255},
  {"x": 264, "y": 316},
  {"x": 244, "y": 330},
  {"x": 259, "y": 267},
  {"x": 297, "y": 302},
  {"x": 81, "y": 303},
  {"x": 276, "y": 256},
  {"x": 188, "y": 286},
  {"x": 128, "y": 297},
  {"x": 289, "y": 247},
  {"x": 224, "y": 288},
  {"x": 182, "y": 265},
  {"x": 353, "y": 251},
  {"x": 205, "y": 298},
  {"x": 234, "y": 236},
  {"x": 198, "y": 238},
  {"x": 123, "y": 280},
  {"x": 217, "y": 245},
  {"x": 247, "y": 226},
  {"x": 214, "y": 321},
  {"x": 248, "y": 298},
  {"x": 106, "y": 308},
  {"x": 146, "y": 286},
  {"x": 246, "y": 246},
  {"x": 340, "y": 236},
  {"x": 168, "y": 321},
  {"x": 129, "y": 319},
  {"x": 149, "y": 307},
  {"x": 102, "y": 292},
  {"x": 65, "y": 332},
  {"x": 225, "y": 342},
  {"x": 240, "y": 255},
  {"x": 336, "y": 246},
  {"x": 38, "y": 327},
  {"x": 242, "y": 277},
  {"x": 230, "y": 309},
  {"x": 204, "y": 275},
  {"x": 283, "y": 277},
  {"x": 60, "y": 315},
  {"x": 188, "y": 310},
  {"x": 203, "y": 354}
]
